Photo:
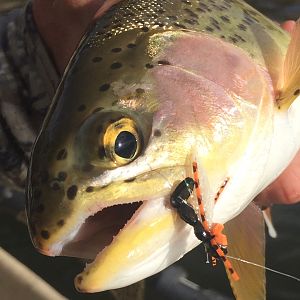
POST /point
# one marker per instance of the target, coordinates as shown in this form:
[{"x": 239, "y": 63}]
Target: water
[{"x": 282, "y": 253}]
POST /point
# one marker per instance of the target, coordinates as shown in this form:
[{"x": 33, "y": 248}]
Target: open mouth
[{"x": 99, "y": 230}]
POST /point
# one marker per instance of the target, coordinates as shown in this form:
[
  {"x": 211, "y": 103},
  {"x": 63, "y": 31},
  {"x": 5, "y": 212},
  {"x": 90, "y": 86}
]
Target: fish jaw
[
  {"x": 103, "y": 216},
  {"x": 152, "y": 240}
]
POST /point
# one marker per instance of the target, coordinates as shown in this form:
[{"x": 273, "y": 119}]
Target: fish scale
[{"x": 210, "y": 16}]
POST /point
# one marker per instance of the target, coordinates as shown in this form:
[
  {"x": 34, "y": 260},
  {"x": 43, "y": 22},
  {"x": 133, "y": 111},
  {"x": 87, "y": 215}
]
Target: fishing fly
[{"x": 215, "y": 243}]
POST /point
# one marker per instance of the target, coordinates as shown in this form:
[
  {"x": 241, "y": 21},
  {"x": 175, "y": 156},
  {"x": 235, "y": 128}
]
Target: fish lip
[
  {"x": 127, "y": 213},
  {"x": 55, "y": 246},
  {"x": 151, "y": 240},
  {"x": 55, "y": 249}
]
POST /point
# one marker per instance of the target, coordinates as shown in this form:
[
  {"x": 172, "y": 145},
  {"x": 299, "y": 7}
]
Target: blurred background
[{"x": 190, "y": 278}]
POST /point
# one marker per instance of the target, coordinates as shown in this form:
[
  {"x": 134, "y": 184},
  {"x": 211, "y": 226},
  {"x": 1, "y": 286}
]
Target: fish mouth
[
  {"x": 149, "y": 238},
  {"x": 127, "y": 239},
  {"x": 99, "y": 230}
]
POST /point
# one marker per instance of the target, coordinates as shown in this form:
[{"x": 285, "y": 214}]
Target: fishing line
[
  {"x": 229, "y": 256},
  {"x": 162, "y": 175},
  {"x": 263, "y": 267}
]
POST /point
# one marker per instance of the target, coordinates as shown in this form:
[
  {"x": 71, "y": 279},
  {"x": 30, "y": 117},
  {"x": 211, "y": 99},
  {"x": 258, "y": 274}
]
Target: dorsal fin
[
  {"x": 246, "y": 240},
  {"x": 290, "y": 83}
]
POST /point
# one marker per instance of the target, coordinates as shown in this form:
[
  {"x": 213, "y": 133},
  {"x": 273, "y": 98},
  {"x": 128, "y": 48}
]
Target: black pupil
[{"x": 125, "y": 145}]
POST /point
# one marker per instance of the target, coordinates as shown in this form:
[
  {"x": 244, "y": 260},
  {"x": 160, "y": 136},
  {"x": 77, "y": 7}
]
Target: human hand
[{"x": 62, "y": 24}]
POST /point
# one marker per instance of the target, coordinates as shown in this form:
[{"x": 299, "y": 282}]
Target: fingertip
[{"x": 288, "y": 25}]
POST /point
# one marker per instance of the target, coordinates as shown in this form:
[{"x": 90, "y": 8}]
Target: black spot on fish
[
  {"x": 200, "y": 9},
  {"x": 98, "y": 109},
  {"x": 242, "y": 27},
  {"x": 72, "y": 192},
  {"x": 191, "y": 13},
  {"x": 149, "y": 66},
  {"x": 131, "y": 46},
  {"x": 62, "y": 176},
  {"x": 62, "y": 154},
  {"x": 130, "y": 180},
  {"x": 104, "y": 87},
  {"x": 204, "y": 7},
  {"x": 140, "y": 91},
  {"x": 82, "y": 107},
  {"x": 116, "y": 50},
  {"x": 213, "y": 21},
  {"x": 225, "y": 19},
  {"x": 89, "y": 189},
  {"x": 240, "y": 38},
  {"x": 157, "y": 133},
  {"x": 79, "y": 279},
  {"x": 218, "y": 27},
  {"x": 45, "y": 234},
  {"x": 191, "y": 21},
  {"x": 116, "y": 65},
  {"x": 97, "y": 59},
  {"x": 61, "y": 223},
  {"x": 172, "y": 18},
  {"x": 145, "y": 29},
  {"x": 101, "y": 152},
  {"x": 210, "y": 29},
  {"x": 233, "y": 39},
  {"x": 248, "y": 20},
  {"x": 297, "y": 92}
]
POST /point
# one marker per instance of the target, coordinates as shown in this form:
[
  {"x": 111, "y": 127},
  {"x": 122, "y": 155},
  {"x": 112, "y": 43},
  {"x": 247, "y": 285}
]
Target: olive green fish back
[{"x": 231, "y": 20}]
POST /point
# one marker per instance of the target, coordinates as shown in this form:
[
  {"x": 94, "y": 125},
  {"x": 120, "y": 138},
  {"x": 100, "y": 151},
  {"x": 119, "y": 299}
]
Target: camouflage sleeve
[{"x": 28, "y": 80}]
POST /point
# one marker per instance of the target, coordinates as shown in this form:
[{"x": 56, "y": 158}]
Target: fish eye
[
  {"x": 125, "y": 145},
  {"x": 122, "y": 141}
]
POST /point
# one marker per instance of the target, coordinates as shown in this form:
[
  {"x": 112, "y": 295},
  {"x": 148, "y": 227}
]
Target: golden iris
[{"x": 122, "y": 141}]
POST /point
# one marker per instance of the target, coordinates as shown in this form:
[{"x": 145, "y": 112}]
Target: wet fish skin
[{"x": 123, "y": 74}]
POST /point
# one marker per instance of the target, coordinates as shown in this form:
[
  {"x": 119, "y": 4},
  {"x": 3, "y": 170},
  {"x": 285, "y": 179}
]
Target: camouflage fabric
[{"x": 28, "y": 80}]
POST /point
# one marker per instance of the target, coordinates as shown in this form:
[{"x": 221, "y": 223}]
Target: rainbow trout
[{"x": 153, "y": 86}]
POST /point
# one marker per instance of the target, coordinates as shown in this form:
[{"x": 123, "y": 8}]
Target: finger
[
  {"x": 288, "y": 25},
  {"x": 285, "y": 189}
]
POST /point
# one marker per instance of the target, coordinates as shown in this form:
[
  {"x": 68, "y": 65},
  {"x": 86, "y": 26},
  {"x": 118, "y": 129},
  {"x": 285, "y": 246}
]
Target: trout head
[{"x": 129, "y": 117}]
